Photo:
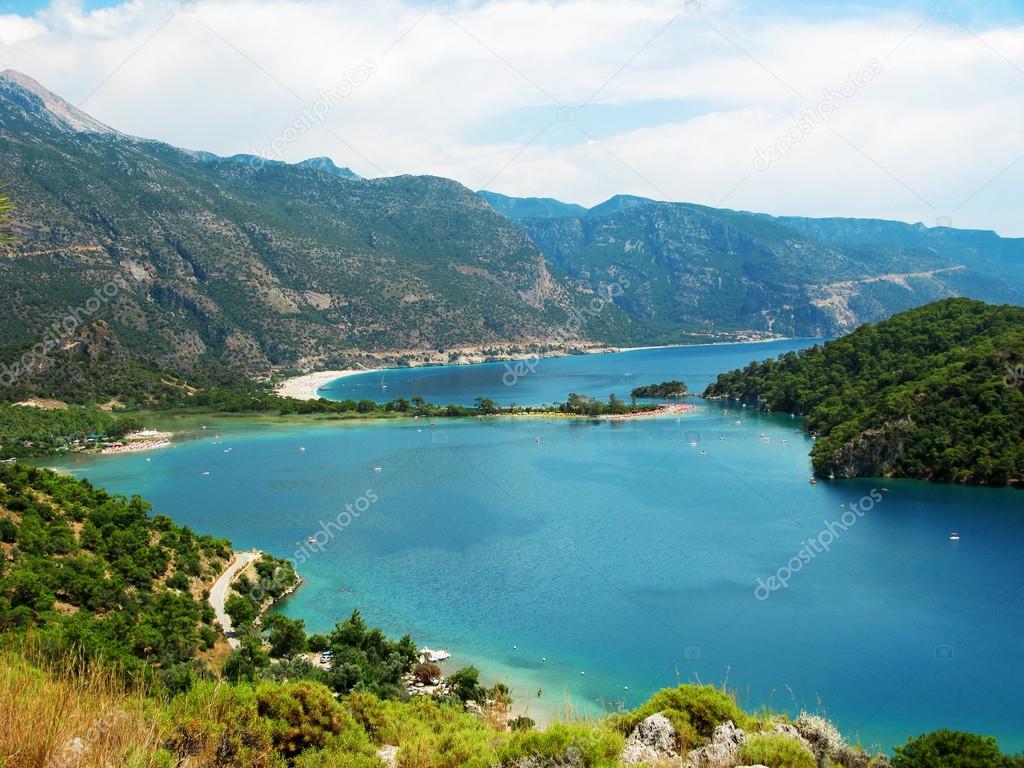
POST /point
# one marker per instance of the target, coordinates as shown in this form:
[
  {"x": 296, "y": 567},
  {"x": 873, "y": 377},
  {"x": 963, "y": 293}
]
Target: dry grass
[{"x": 83, "y": 718}]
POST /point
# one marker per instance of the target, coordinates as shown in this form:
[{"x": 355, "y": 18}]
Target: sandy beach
[
  {"x": 146, "y": 440},
  {"x": 663, "y": 408},
  {"x": 304, "y": 387}
]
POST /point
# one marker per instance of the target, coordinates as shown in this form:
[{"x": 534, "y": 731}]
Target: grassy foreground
[{"x": 86, "y": 716}]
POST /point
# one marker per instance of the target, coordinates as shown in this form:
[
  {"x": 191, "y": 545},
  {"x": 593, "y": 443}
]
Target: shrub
[
  {"x": 522, "y": 723},
  {"x": 316, "y": 758},
  {"x": 368, "y": 711},
  {"x": 302, "y": 715},
  {"x": 694, "y": 711},
  {"x": 776, "y": 752},
  {"x": 218, "y": 725},
  {"x": 426, "y": 673},
  {"x": 951, "y": 749},
  {"x": 823, "y": 736},
  {"x": 578, "y": 744}
]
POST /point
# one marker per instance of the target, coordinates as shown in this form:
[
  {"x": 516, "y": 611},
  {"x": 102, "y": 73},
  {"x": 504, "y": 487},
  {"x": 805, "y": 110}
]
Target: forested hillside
[{"x": 934, "y": 393}]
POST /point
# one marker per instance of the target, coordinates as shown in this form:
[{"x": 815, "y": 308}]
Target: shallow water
[{"x": 621, "y": 551}]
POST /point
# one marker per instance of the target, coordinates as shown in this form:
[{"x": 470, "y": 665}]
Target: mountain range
[{"x": 262, "y": 265}]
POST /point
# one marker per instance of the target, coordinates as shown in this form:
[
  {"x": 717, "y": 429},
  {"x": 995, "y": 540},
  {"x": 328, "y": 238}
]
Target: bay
[{"x": 600, "y": 561}]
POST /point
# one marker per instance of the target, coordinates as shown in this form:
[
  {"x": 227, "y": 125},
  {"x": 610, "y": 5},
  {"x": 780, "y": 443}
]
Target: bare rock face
[
  {"x": 388, "y": 755},
  {"x": 653, "y": 740},
  {"x": 722, "y": 751}
]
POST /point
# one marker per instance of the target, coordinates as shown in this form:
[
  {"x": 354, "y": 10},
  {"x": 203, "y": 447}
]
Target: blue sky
[{"x": 906, "y": 110}]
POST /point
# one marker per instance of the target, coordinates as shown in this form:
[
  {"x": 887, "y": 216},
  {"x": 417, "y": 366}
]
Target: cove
[{"x": 630, "y": 552}]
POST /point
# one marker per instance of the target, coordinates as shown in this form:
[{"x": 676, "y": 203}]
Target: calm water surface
[{"x": 608, "y": 559}]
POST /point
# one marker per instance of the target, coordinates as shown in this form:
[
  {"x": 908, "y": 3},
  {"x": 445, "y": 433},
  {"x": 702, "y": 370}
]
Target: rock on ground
[
  {"x": 389, "y": 755},
  {"x": 722, "y": 751},
  {"x": 653, "y": 739}
]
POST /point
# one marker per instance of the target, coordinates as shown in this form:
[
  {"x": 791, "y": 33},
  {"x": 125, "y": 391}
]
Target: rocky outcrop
[
  {"x": 872, "y": 453},
  {"x": 722, "y": 751},
  {"x": 388, "y": 755},
  {"x": 653, "y": 740}
]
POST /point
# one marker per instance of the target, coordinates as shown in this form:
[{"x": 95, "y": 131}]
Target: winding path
[{"x": 219, "y": 591}]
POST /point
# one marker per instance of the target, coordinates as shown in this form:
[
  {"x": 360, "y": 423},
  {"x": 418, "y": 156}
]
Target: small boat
[
  {"x": 378, "y": 469},
  {"x": 814, "y": 481},
  {"x": 302, "y": 449},
  {"x": 954, "y": 536},
  {"x": 703, "y": 453},
  {"x": 693, "y": 443},
  {"x": 831, "y": 475},
  {"x": 205, "y": 473},
  {"x": 311, "y": 539}
]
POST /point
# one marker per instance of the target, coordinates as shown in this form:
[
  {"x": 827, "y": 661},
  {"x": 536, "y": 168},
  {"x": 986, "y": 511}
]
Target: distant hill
[
  {"x": 531, "y": 207},
  {"x": 934, "y": 393},
  {"x": 701, "y": 269}
]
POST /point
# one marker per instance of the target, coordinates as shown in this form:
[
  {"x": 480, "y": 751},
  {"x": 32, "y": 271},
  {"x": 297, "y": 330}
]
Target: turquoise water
[{"x": 620, "y": 550}]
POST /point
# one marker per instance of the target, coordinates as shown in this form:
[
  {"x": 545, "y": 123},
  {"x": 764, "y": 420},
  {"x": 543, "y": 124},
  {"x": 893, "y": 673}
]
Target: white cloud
[{"x": 941, "y": 120}]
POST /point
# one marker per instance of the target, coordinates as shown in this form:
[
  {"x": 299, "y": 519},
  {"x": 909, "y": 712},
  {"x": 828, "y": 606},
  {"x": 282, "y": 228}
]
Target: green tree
[
  {"x": 287, "y": 636},
  {"x": 240, "y": 609},
  {"x": 952, "y": 749}
]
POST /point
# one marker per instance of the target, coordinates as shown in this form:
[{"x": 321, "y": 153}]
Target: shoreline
[{"x": 306, "y": 386}]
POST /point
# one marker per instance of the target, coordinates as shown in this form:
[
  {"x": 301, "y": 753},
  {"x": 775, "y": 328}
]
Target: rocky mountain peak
[{"x": 39, "y": 103}]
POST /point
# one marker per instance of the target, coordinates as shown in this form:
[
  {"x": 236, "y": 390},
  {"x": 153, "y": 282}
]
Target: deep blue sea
[
  {"x": 538, "y": 381},
  {"x": 600, "y": 561}
]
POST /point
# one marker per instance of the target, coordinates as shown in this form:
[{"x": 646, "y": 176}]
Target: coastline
[{"x": 305, "y": 387}]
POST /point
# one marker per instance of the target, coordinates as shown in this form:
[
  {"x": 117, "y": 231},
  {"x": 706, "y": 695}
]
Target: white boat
[{"x": 954, "y": 536}]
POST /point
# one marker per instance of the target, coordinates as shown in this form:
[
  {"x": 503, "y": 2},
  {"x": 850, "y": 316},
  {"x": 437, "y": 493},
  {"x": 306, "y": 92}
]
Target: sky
[{"x": 900, "y": 110}]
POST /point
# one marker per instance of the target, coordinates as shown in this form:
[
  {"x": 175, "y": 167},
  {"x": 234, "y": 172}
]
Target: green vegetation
[
  {"x": 665, "y": 389},
  {"x": 94, "y": 573},
  {"x": 953, "y": 749},
  {"x": 776, "y": 751},
  {"x": 934, "y": 393},
  {"x": 6, "y": 208},
  {"x": 693, "y": 710},
  {"x": 29, "y": 431}
]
